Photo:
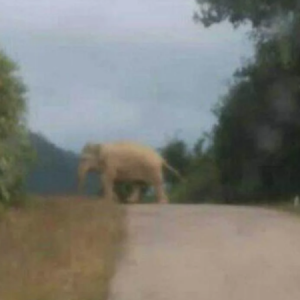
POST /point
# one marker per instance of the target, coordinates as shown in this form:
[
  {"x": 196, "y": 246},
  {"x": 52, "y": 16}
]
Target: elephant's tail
[{"x": 173, "y": 170}]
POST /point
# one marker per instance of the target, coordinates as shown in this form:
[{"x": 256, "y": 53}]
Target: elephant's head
[{"x": 89, "y": 161}]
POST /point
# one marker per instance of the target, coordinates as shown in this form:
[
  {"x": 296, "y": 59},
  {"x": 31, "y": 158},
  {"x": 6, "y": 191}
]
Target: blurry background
[
  {"x": 106, "y": 70},
  {"x": 218, "y": 97}
]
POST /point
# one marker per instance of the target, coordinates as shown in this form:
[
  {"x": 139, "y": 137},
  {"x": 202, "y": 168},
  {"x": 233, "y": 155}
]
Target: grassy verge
[
  {"x": 290, "y": 208},
  {"x": 60, "y": 249},
  {"x": 284, "y": 206}
]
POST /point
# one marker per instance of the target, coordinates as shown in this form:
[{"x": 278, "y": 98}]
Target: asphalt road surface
[{"x": 209, "y": 252}]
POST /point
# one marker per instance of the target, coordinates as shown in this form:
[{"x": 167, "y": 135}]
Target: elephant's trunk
[{"x": 81, "y": 177}]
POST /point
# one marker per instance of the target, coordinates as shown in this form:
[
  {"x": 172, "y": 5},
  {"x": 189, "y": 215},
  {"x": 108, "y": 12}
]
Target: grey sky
[{"x": 104, "y": 70}]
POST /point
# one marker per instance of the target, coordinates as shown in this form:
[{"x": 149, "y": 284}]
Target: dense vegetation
[
  {"x": 45, "y": 243},
  {"x": 252, "y": 152},
  {"x": 255, "y": 145},
  {"x": 15, "y": 150}
]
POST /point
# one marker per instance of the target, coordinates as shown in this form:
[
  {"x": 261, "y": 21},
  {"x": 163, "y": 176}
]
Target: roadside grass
[
  {"x": 281, "y": 206},
  {"x": 60, "y": 248},
  {"x": 288, "y": 207}
]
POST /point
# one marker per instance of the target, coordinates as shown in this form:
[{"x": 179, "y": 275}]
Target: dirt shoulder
[
  {"x": 209, "y": 252},
  {"x": 59, "y": 248}
]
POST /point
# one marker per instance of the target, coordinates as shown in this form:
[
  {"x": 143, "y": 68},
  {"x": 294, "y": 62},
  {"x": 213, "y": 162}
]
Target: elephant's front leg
[
  {"x": 135, "y": 195},
  {"x": 108, "y": 188}
]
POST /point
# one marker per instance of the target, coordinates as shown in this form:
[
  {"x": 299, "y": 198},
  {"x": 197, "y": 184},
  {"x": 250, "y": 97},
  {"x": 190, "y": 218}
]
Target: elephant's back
[{"x": 129, "y": 150}]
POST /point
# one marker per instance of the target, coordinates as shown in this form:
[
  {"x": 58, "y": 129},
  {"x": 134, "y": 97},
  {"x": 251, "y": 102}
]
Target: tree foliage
[
  {"x": 256, "y": 142},
  {"x": 197, "y": 166},
  {"x": 275, "y": 21},
  {"x": 177, "y": 154},
  {"x": 15, "y": 150},
  {"x": 260, "y": 13}
]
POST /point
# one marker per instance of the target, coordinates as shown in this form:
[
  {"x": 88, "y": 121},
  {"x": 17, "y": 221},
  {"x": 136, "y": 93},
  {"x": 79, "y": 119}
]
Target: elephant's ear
[
  {"x": 99, "y": 153},
  {"x": 99, "y": 150},
  {"x": 88, "y": 151},
  {"x": 87, "y": 147},
  {"x": 95, "y": 148}
]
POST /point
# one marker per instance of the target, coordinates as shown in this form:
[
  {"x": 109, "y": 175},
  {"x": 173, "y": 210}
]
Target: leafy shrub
[{"x": 15, "y": 149}]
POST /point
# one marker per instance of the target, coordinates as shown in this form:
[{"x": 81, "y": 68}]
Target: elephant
[
  {"x": 88, "y": 164},
  {"x": 124, "y": 161}
]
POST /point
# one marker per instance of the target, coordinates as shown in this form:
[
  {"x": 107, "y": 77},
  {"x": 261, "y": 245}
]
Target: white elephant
[{"x": 124, "y": 161}]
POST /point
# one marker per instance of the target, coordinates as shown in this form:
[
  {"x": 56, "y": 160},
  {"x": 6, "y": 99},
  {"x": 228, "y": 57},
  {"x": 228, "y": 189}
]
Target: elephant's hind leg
[
  {"x": 160, "y": 192},
  {"x": 108, "y": 188},
  {"x": 135, "y": 195}
]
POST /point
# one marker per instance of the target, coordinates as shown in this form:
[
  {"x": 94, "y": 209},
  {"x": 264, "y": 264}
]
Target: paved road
[{"x": 204, "y": 252}]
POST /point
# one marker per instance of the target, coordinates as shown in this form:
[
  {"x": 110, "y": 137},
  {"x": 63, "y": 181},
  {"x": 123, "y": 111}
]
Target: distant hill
[{"x": 55, "y": 169}]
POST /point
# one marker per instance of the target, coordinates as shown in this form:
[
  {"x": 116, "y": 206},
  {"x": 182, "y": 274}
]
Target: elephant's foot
[
  {"x": 133, "y": 200},
  {"x": 111, "y": 198},
  {"x": 163, "y": 200},
  {"x": 135, "y": 196}
]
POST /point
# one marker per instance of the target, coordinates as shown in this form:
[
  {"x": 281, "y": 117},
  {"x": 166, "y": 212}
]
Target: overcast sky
[{"x": 116, "y": 69}]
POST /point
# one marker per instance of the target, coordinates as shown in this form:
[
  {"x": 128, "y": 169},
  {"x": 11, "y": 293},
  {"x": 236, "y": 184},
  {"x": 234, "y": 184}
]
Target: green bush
[
  {"x": 15, "y": 149},
  {"x": 201, "y": 185},
  {"x": 124, "y": 189}
]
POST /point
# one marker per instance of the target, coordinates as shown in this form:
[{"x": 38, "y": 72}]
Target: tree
[
  {"x": 260, "y": 13},
  {"x": 277, "y": 21},
  {"x": 203, "y": 183},
  {"x": 256, "y": 140},
  {"x": 15, "y": 149},
  {"x": 197, "y": 166}
]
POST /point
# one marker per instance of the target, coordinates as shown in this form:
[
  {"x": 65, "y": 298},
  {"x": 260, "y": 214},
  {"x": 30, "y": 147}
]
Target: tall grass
[{"x": 60, "y": 249}]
